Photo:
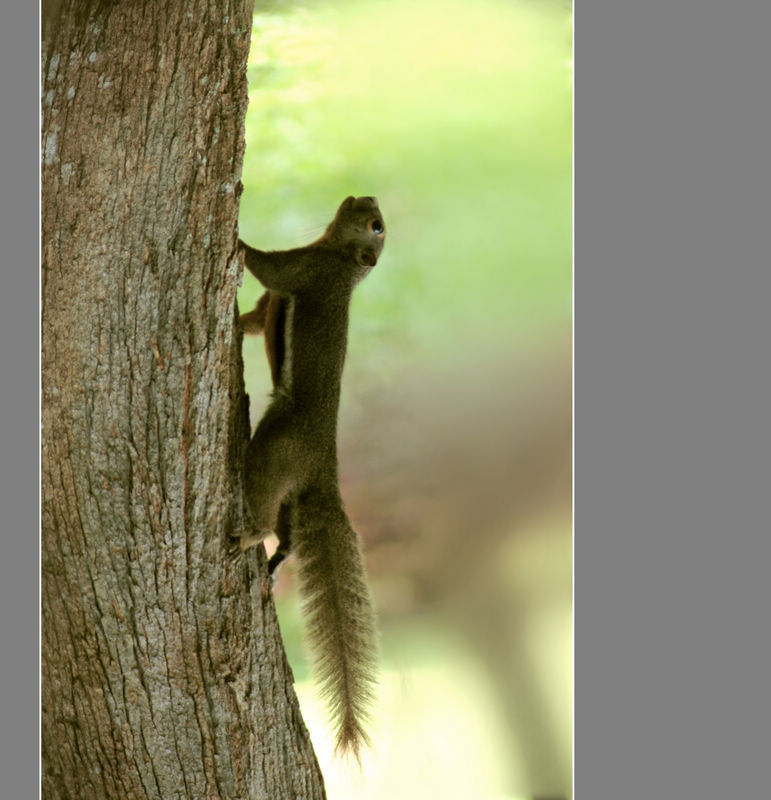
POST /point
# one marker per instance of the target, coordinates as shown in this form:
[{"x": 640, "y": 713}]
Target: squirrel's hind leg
[
  {"x": 284, "y": 533},
  {"x": 272, "y": 474}
]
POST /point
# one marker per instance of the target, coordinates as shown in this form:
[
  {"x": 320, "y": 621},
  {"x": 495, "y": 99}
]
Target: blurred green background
[{"x": 455, "y": 421}]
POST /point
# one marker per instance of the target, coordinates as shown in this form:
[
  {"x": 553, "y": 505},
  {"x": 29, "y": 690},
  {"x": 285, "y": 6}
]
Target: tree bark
[{"x": 163, "y": 671}]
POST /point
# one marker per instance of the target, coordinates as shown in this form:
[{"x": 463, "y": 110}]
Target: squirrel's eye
[{"x": 377, "y": 227}]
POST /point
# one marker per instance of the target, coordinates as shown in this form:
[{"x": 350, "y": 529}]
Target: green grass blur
[{"x": 457, "y": 116}]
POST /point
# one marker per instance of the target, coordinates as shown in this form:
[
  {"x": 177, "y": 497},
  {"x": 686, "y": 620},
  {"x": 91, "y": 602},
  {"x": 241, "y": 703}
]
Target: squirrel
[{"x": 291, "y": 468}]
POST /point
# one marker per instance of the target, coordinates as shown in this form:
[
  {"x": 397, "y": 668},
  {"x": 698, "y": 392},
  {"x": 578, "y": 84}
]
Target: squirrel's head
[{"x": 358, "y": 227}]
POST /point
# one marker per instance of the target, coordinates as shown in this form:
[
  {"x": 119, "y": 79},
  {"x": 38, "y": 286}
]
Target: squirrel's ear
[
  {"x": 366, "y": 258},
  {"x": 347, "y": 203}
]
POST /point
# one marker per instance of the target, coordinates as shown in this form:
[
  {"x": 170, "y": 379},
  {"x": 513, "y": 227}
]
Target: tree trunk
[{"x": 163, "y": 671}]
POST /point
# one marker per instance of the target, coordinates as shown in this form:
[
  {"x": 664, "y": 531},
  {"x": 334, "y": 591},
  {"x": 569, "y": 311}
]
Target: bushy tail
[{"x": 338, "y": 611}]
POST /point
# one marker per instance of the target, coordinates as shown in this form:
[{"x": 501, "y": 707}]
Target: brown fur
[
  {"x": 291, "y": 461},
  {"x": 267, "y": 318}
]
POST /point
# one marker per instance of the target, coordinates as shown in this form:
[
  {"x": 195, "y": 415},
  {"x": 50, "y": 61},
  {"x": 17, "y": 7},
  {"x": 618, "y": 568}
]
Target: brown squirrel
[{"x": 291, "y": 474}]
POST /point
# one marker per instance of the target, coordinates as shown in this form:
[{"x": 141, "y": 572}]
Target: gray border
[
  {"x": 19, "y": 432},
  {"x": 673, "y": 437}
]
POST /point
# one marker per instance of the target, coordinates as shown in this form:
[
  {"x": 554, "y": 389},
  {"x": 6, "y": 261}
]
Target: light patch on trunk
[{"x": 49, "y": 151}]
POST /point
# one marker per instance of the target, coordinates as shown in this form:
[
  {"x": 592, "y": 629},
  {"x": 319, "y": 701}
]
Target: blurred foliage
[
  {"x": 457, "y": 117},
  {"x": 455, "y": 433}
]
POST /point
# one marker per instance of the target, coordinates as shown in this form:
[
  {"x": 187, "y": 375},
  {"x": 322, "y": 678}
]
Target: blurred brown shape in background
[{"x": 463, "y": 490}]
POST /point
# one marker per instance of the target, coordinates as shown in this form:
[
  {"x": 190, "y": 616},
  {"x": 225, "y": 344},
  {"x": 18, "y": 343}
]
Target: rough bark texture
[{"x": 163, "y": 675}]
